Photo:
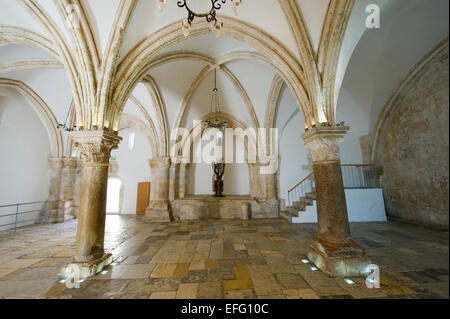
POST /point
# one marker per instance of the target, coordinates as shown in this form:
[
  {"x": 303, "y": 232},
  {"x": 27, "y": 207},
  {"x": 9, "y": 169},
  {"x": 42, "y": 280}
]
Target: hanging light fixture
[
  {"x": 64, "y": 126},
  {"x": 216, "y": 122},
  {"x": 209, "y": 15},
  {"x": 215, "y": 117}
]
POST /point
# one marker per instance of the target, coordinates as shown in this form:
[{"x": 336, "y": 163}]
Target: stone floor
[{"x": 221, "y": 259}]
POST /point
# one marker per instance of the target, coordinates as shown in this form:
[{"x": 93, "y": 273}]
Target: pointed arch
[
  {"x": 44, "y": 112},
  {"x": 160, "y": 107},
  {"x": 132, "y": 68},
  {"x": 131, "y": 121}
]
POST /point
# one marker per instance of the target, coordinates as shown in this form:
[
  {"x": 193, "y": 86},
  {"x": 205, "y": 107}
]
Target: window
[{"x": 131, "y": 141}]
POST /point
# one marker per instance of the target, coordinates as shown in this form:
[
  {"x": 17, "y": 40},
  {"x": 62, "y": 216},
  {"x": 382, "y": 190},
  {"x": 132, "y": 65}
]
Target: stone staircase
[{"x": 299, "y": 206}]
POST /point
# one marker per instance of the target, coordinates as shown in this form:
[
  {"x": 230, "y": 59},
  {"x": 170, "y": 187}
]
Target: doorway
[{"x": 113, "y": 196}]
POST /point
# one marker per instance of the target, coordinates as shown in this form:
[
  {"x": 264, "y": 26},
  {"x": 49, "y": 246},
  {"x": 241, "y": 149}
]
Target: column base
[
  {"x": 159, "y": 212},
  {"x": 93, "y": 267},
  {"x": 339, "y": 258},
  {"x": 53, "y": 217}
]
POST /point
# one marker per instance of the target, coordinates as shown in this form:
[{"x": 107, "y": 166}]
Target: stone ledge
[{"x": 229, "y": 207}]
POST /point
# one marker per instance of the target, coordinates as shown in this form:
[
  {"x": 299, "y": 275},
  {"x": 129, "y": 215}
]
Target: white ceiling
[{"x": 174, "y": 79}]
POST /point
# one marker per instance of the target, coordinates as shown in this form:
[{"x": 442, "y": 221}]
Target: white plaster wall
[
  {"x": 147, "y": 18},
  {"x": 257, "y": 85},
  {"x": 13, "y": 52},
  {"x": 51, "y": 85},
  {"x": 14, "y": 14},
  {"x": 292, "y": 149},
  {"x": 173, "y": 80},
  {"x": 231, "y": 101},
  {"x": 236, "y": 177},
  {"x": 101, "y": 14},
  {"x": 314, "y": 13},
  {"x": 25, "y": 148},
  {"x": 381, "y": 59},
  {"x": 133, "y": 167}
]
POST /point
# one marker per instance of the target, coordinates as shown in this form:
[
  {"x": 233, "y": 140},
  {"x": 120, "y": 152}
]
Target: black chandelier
[
  {"x": 209, "y": 15},
  {"x": 64, "y": 126}
]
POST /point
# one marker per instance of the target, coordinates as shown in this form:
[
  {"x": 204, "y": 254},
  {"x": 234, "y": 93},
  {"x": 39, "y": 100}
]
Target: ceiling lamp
[
  {"x": 215, "y": 117},
  {"x": 210, "y": 15},
  {"x": 64, "y": 126}
]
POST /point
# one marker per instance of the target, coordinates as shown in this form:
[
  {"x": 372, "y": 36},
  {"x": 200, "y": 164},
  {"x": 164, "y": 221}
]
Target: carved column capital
[
  {"x": 96, "y": 146},
  {"x": 55, "y": 162},
  {"x": 160, "y": 162},
  {"x": 323, "y": 142}
]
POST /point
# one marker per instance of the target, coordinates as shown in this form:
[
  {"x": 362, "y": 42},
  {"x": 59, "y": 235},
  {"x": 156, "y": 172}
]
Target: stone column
[
  {"x": 271, "y": 186},
  {"x": 183, "y": 180},
  {"x": 173, "y": 180},
  {"x": 333, "y": 250},
  {"x": 159, "y": 209},
  {"x": 56, "y": 165},
  {"x": 95, "y": 148},
  {"x": 66, "y": 195},
  {"x": 77, "y": 187},
  {"x": 257, "y": 182}
]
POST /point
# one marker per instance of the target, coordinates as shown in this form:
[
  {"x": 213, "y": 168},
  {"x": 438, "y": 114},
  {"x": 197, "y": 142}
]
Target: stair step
[
  {"x": 311, "y": 196},
  {"x": 306, "y": 201},
  {"x": 293, "y": 212},
  {"x": 299, "y": 206},
  {"x": 285, "y": 215}
]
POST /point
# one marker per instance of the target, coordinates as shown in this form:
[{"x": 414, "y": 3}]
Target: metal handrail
[
  {"x": 354, "y": 176},
  {"x": 301, "y": 182},
  {"x": 18, "y": 213}
]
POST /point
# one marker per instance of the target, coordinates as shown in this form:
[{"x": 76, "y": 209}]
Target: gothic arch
[
  {"x": 50, "y": 122},
  {"x": 131, "y": 121},
  {"x": 132, "y": 68}
]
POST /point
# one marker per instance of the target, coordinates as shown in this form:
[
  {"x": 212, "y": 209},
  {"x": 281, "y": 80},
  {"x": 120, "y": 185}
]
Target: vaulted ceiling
[{"x": 128, "y": 56}]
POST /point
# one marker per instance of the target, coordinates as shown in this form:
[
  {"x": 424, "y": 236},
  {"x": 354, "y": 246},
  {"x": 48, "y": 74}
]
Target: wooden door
[{"x": 143, "y": 197}]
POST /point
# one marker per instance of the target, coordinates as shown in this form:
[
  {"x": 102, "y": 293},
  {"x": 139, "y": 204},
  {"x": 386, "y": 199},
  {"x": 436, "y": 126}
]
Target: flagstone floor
[{"x": 221, "y": 259}]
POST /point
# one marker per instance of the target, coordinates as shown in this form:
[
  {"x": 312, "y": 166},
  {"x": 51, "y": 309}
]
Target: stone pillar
[
  {"x": 257, "y": 182},
  {"x": 333, "y": 250},
  {"x": 95, "y": 148},
  {"x": 173, "y": 180},
  {"x": 271, "y": 186},
  {"x": 159, "y": 209},
  {"x": 183, "y": 180},
  {"x": 56, "y": 165},
  {"x": 77, "y": 187},
  {"x": 66, "y": 195}
]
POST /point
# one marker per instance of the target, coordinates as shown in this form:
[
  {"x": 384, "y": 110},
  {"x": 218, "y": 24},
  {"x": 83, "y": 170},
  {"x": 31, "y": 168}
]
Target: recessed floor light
[
  {"x": 62, "y": 281},
  {"x": 349, "y": 281},
  {"x": 305, "y": 261},
  {"x": 372, "y": 280},
  {"x": 82, "y": 280},
  {"x": 104, "y": 272},
  {"x": 312, "y": 268}
]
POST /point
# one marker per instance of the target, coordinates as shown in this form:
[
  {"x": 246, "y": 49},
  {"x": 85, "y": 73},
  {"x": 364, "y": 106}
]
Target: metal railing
[
  {"x": 360, "y": 176},
  {"x": 13, "y": 214},
  {"x": 306, "y": 185},
  {"x": 353, "y": 175}
]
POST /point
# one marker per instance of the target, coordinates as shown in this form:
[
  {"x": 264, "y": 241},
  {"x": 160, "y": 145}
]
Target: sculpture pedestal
[{"x": 228, "y": 207}]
